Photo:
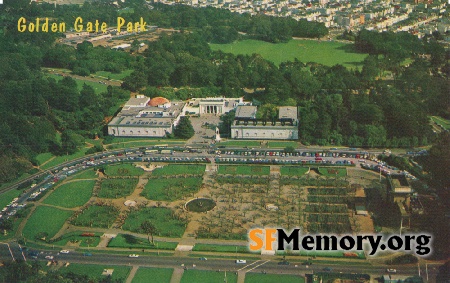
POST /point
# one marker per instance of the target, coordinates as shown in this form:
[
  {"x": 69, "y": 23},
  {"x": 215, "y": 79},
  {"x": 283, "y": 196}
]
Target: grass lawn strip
[
  {"x": 244, "y": 170},
  {"x": 86, "y": 174},
  {"x": 271, "y": 278},
  {"x": 328, "y": 53},
  {"x": 95, "y": 271},
  {"x": 171, "y": 189},
  {"x": 160, "y": 275},
  {"x": 293, "y": 170},
  {"x": 203, "y": 276},
  {"x": 117, "y": 188},
  {"x": 45, "y": 219},
  {"x": 333, "y": 172},
  {"x": 179, "y": 169},
  {"x": 130, "y": 241},
  {"x": 75, "y": 237},
  {"x": 71, "y": 194},
  {"x": 220, "y": 248},
  {"x": 123, "y": 170},
  {"x": 166, "y": 223}
]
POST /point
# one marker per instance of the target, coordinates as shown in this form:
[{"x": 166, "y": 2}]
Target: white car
[
  {"x": 49, "y": 257},
  {"x": 64, "y": 252},
  {"x": 241, "y": 261},
  {"x": 133, "y": 255},
  {"x": 391, "y": 270}
]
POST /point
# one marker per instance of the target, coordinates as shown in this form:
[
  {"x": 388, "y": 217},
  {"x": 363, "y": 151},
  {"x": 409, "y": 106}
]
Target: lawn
[
  {"x": 130, "y": 241},
  {"x": 325, "y": 52},
  {"x": 7, "y": 197},
  {"x": 244, "y": 170},
  {"x": 71, "y": 194},
  {"x": 192, "y": 275},
  {"x": 76, "y": 237},
  {"x": 45, "y": 219},
  {"x": 293, "y": 170},
  {"x": 97, "y": 216},
  {"x": 179, "y": 169},
  {"x": 95, "y": 271},
  {"x": 98, "y": 87},
  {"x": 232, "y": 143},
  {"x": 270, "y": 278},
  {"x": 86, "y": 174},
  {"x": 441, "y": 121},
  {"x": 171, "y": 189},
  {"x": 160, "y": 275},
  {"x": 282, "y": 144},
  {"x": 220, "y": 248},
  {"x": 16, "y": 220},
  {"x": 43, "y": 157},
  {"x": 123, "y": 170},
  {"x": 166, "y": 223},
  {"x": 114, "y": 76},
  {"x": 117, "y": 188},
  {"x": 60, "y": 159},
  {"x": 333, "y": 172}
]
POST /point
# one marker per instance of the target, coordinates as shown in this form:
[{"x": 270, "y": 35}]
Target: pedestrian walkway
[
  {"x": 132, "y": 273},
  {"x": 176, "y": 275}
]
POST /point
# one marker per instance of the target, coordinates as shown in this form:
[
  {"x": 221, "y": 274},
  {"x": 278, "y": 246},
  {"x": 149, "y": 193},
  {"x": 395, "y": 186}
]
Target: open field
[
  {"x": 281, "y": 144},
  {"x": 325, "y": 52},
  {"x": 43, "y": 157},
  {"x": 95, "y": 271},
  {"x": 293, "y": 170},
  {"x": 114, "y": 76},
  {"x": 244, "y": 170},
  {"x": 270, "y": 278},
  {"x": 232, "y": 143},
  {"x": 192, "y": 275},
  {"x": 98, "y": 87},
  {"x": 165, "y": 222},
  {"x": 45, "y": 219},
  {"x": 96, "y": 216},
  {"x": 171, "y": 189},
  {"x": 179, "y": 169},
  {"x": 76, "y": 238},
  {"x": 71, "y": 194},
  {"x": 117, "y": 188},
  {"x": 123, "y": 170},
  {"x": 86, "y": 174},
  {"x": 130, "y": 241},
  {"x": 160, "y": 275}
]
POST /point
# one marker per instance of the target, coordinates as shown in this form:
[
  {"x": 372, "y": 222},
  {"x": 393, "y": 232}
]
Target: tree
[
  {"x": 149, "y": 229},
  {"x": 184, "y": 129}
]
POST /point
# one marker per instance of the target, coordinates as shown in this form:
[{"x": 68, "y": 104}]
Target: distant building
[
  {"x": 213, "y": 105},
  {"x": 145, "y": 117},
  {"x": 247, "y": 126}
]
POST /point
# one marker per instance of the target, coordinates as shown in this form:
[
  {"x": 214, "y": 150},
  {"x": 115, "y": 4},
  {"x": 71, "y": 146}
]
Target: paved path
[
  {"x": 176, "y": 275},
  {"x": 132, "y": 273}
]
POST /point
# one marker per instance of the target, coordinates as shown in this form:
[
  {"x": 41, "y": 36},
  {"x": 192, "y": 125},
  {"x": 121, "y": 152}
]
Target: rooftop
[
  {"x": 288, "y": 112},
  {"x": 248, "y": 112}
]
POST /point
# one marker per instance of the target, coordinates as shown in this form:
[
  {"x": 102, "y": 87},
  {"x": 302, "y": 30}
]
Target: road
[{"x": 268, "y": 264}]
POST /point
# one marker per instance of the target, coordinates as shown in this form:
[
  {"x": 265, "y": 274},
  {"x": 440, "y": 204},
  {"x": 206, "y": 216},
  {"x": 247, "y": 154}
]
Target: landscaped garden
[
  {"x": 293, "y": 170},
  {"x": 120, "y": 272},
  {"x": 244, "y": 170},
  {"x": 271, "y": 278},
  {"x": 45, "y": 222},
  {"x": 170, "y": 189},
  {"x": 71, "y": 194},
  {"x": 78, "y": 239},
  {"x": 167, "y": 222},
  {"x": 179, "y": 169},
  {"x": 100, "y": 216},
  {"x": 126, "y": 169},
  {"x": 204, "y": 276},
  {"x": 130, "y": 241},
  {"x": 117, "y": 188},
  {"x": 333, "y": 172}
]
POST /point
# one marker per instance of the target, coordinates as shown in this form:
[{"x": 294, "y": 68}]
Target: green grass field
[
  {"x": 114, "y": 76},
  {"x": 232, "y": 143},
  {"x": 45, "y": 219},
  {"x": 129, "y": 241},
  {"x": 7, "y": 197},
  {"x": 179, "y": 169},
  {"x": 98, "y": 87},
  {"x": 43, "y": 157},
  {"x": 71, "y": 194},
  {"x": 293, "y": 171},
  {"x": 325, "y": 52},
  {"x": 441, "y": 121},
  {"x": 282, "y": 144},
  {"x": 163, "y": 219},
  {"x": 171, "y": 189},
  {"x": 117, "y": 188},
  {"x": 60, "y": 159},
  {"x": 203, "y": 276},
  {"x": 77, "y": 238},
  {"x": 270, "y": 278},
  {"x": 333, "y": 172},
  {"x": 160, "y": 275},
  {"x": 95, "y": 271},
  {"x": 96, "y": 216},
  {"x": 123, "y": 170},
  {"x": 86, "y": 174},
  {"x": 220, "y": 248},
  {"x": 244, "y": 170}
]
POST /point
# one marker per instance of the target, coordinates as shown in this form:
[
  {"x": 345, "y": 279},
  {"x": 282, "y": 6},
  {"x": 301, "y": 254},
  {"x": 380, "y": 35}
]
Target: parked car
[
  {"x": 64, "y": 252},
  {"x": 391, "y": 270},
  {"x": 133, "y": 255},
  {"x": 203, "y": 258},
  {"x": 241, "y": 261}
]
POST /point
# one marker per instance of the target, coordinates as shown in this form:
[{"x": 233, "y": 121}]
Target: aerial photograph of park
[{"x": 203, "y": 141}]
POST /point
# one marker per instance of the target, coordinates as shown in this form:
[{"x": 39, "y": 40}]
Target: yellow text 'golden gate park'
[{"x": 44, "y": 25}]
